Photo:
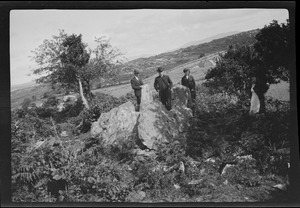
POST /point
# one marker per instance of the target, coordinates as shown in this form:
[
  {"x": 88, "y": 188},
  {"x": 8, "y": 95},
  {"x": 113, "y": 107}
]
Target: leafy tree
[
  {"x": 66, "y": 62},
  {"x": 273, "y": 49},
  {"x": 104, "y": 63},
  {"x": 73, "y": 60},
  {"x": 47, "y": 57},
  {"x": 267, "y": 60},
  {"x": 233, "y": 72}
]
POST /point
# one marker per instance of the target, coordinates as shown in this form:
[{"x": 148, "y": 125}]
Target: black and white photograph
[{"x": 151, "y": 105}]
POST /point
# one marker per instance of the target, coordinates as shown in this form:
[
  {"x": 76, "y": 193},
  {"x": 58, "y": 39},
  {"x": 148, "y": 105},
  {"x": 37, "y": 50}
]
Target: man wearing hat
[
  {"x": 189, "y": 81},
  {"x": 136, "y": 83},
  {"x": 163, "y": 85}
]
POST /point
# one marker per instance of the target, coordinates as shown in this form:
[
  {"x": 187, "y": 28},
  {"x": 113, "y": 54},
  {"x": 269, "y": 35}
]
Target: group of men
[{"x": 163, "y": 85}]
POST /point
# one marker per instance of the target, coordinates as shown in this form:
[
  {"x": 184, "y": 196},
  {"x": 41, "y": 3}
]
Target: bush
[
  {"x": 223, "y": 128},
  {"x": 201, "y": 55},
  {"x": 47, "y": 94},
  {"x": 245, "y": 174},
  {"x": 26, "y": 102}
]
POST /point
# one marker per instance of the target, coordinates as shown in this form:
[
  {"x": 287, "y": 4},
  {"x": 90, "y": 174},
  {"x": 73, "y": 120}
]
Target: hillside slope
[
  {"x": 197, "y": 67},
  {"x": 170, "y": 59}
]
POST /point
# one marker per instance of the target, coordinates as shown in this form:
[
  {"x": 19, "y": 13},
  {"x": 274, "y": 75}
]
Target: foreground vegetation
[
  {"x": 182, "y": 171},
  {"x": 225, "y": 156}
]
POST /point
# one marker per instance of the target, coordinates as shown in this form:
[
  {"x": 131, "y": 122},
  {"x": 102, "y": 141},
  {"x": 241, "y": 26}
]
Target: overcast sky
[{"x": 134, "y": 32}]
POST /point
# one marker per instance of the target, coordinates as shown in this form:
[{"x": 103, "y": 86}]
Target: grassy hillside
[
  {"x": 171, "y": 59},
  {"x": 33, "y": 93},
  {"x": 198, "y": 69}
]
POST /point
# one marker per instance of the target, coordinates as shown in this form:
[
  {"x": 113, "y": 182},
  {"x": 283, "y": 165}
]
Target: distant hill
[
  {"x": 197, "y": 42},
  {"x": 174, "y": 58},
  {"x": 130, "y": 58},
  {"x": 23, "y": 86},
  {"x": 17, "y": 96}
]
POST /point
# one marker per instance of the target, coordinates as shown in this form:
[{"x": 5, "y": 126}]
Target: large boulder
[
  {"x": 180, "y": 96},
  {"x": 157, "y": 124},
  {"x": 115, "y": 124},
  {"x": 152, "y": 124}
]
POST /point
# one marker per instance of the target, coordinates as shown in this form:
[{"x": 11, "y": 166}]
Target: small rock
[
  {"x": 181, "y": 167},
  {"x": 245, "y": 157},
  {"x": 38, "y": 144},
  {"x": 167, "y": 169},
  {"x": 176, "y": 186},
  {"x": 202, "y": 171},
  {"x": 210, "y": 160},
  {"x": 136, "y": 196},
  {"x": 194, "y": 182},
  {"x": 64, "y": 134},
  {"x": 280, "y": 186},
  {"x": 225, "y": 168}
]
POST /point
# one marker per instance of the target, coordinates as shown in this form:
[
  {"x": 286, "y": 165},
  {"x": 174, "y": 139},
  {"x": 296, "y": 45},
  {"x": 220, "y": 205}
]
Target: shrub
[
  {"x": 245, "y": 174},
  {"x": 26, "y": 102},
  {"x": 201, "y": 55},
  {"x": 47, "y": 94}
]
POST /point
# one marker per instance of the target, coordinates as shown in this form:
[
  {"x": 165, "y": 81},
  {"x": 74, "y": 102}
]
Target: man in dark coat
[
  {"x": 136, "y": 83},
  {"x": 189, "y": 81},
  {"x": 163, "y": 85}
]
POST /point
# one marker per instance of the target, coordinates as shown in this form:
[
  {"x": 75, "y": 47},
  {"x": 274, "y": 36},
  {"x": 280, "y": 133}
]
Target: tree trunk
[{"x": 82, "y": 96}]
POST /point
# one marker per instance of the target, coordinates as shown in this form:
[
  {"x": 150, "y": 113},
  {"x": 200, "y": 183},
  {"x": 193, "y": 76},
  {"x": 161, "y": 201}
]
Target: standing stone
[
  {"x": 146, "y": 97},
  {"x": 156, "y": 124},
  {"x": 181, "y": 95}
]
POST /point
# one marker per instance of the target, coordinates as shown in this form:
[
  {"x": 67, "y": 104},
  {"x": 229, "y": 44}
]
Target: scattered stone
[
  {"x": 282, "y": 187},
  {"x": 283, "y": 151},
  {"x": 202, "y": 171},
  {"x": 60, "y": 106},
  {"x": 245, "y": 157},
  {"x": 226, "y": 168},
  {"x": 151, "y": 154},
  {"x": 136, "y": 196},
  {"x": 64, "y": 134},
  {"x": 176, "y": 186},
  {"x": 191, "y": 162},
  {"x": 212, "y": 160},
  {"x": 181, "y": 167},
  {"x": 72, "y": 98},
  {"x": 194, "y": 182},
  {"x": 167, "y": 169},
  {"x": 38, "y": 144}
]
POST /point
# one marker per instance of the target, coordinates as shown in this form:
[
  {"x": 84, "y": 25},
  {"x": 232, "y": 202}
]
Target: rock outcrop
[
  {"x": 116, "y": 124},
  {"x": 153, "y": 124}
]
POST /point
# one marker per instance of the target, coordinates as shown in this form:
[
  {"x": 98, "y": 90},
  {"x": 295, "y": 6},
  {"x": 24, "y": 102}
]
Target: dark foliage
[{"x": 266, "y": 60}]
